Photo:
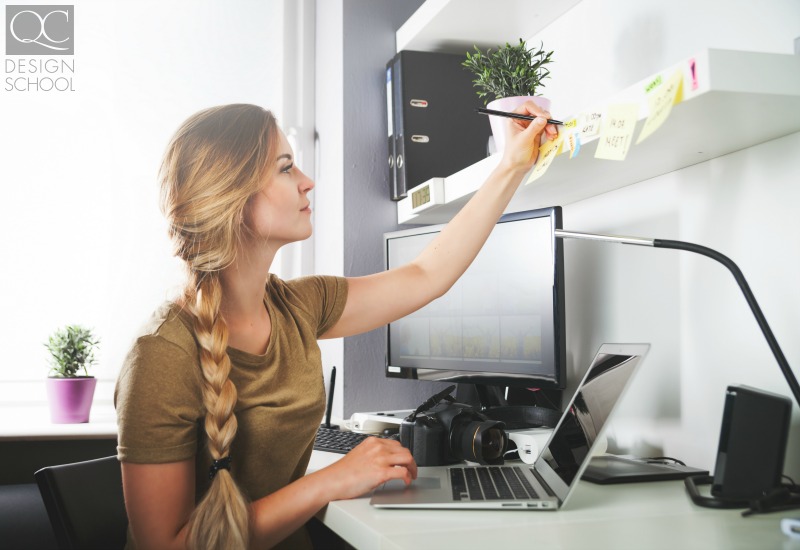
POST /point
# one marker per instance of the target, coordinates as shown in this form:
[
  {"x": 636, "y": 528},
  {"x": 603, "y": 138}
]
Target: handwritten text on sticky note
[
  {"x": 589, "y": 124},
  {"x": 547, "y": 152},
  {"x": 574, "y": 143},
  {"x": 618, "y": 127},
  {"x": 660, "y": 101}
]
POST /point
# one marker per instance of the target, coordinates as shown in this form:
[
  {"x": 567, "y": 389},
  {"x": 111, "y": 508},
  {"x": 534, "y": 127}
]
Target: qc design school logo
[
  {"x": 40, "y": 30},
  {"x": 40, "y": 48}
]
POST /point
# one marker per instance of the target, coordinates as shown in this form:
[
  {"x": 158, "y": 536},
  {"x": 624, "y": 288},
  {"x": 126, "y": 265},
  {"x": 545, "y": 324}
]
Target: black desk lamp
[
  {"x": 750, "y": 477},
  {"x": 724, "y": 260}
]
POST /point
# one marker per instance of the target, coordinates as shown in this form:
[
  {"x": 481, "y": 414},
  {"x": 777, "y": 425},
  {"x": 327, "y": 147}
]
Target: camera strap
[
  {"x": 517, "y": 417},
  {"x": 432, "y": 402}
]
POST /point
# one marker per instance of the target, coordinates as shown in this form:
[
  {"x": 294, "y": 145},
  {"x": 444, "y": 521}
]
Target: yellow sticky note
[
  {"x": 562, "y": 147},
  {"x": 618, "y": 126},
  {"x": 589, "y": 124},
  {"x": 568, "y": 127},
  {"x": 660, "y": 101},
  {"x": 547, "y": 152}
]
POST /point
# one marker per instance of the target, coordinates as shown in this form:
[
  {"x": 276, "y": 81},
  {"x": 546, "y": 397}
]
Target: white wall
[
  {"x": 743, "y": 205},
  {"x": 329, "y": 192},
  {"x": 83, "y": 239}
]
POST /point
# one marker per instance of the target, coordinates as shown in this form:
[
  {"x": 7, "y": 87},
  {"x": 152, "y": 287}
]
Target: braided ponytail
[
  {"x": 223, "y": 499},
  {"x": 214, "y": 164}
]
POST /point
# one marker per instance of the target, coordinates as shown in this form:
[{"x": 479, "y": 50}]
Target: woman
[{"x": 219, "y": 398}]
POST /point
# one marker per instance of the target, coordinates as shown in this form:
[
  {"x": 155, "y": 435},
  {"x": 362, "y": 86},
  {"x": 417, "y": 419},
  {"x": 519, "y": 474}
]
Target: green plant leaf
[
  {"x": 71, "y": 349},
  {"x": 509, "y": 70}
]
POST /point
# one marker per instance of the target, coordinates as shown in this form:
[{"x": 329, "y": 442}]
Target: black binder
[{"x": 434, "y": 130}]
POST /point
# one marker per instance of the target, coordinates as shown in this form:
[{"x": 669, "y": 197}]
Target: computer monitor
[{"x": 502, "y": 323}]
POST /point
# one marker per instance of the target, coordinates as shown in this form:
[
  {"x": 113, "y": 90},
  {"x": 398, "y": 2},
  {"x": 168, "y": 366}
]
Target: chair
[{"x": 85, "y": 503}]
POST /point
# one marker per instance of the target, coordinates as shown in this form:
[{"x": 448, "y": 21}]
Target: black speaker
[{"x": 752, "y": 444}]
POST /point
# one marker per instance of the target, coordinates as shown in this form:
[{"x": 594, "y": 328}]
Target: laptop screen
[{"x": 566, "y": 454}]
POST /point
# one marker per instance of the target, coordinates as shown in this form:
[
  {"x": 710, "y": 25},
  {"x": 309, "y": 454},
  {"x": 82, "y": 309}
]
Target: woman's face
[{"x": 280, "y": 212}]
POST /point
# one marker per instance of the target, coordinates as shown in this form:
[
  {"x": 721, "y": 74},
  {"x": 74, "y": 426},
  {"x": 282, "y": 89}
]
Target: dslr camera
[{"x": 439, "y": 433}]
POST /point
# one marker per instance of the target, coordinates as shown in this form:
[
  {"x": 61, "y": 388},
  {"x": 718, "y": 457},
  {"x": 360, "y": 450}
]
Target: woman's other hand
[{"x": 372, "y": 462}]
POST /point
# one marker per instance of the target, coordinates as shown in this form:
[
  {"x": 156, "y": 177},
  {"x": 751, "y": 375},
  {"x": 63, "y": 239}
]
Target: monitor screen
[{"x": 502, "y": 323}]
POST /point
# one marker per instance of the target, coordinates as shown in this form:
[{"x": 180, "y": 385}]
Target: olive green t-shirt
[{"x": 281, "y": 394}]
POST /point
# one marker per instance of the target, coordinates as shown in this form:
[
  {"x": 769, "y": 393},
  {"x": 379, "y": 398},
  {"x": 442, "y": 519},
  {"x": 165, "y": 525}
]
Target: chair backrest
[{"x": 85, "y": 503}]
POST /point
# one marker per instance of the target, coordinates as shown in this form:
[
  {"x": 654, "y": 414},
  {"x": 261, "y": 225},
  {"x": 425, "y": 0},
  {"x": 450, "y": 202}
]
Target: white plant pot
[{"x": 499, "y": 124}]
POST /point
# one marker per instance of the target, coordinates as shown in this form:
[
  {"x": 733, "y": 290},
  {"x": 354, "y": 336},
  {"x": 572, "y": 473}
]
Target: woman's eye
[{"x": 286, "y": 169}]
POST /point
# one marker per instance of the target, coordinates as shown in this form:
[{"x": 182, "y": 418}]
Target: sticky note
[
  {"x": 589, "y": 124},
  {"x": 653, "y": 84},
  {"x": 693, "y": 71},
  {"x": 618, "y": 127},
  {"x": 660, "y": 102},
  {"x": 574, "y": 143},
  {"x": 547, "y": 152}
]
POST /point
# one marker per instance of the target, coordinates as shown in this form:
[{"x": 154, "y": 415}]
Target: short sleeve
[
  {"x": 323, "y": 296},
  {"x": 159, "y": 403}
]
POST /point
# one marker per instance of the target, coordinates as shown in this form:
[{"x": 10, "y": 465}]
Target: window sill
[{"x": 25, "y": 414}]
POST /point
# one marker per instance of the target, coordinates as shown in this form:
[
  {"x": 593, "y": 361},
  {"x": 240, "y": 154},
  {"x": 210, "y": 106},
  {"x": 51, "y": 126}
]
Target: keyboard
[
  {"x": 492, "y": 483},
  {"x": 338, "y": 441}
]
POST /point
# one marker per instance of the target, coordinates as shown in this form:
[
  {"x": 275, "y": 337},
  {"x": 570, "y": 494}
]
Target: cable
[
  {"x": 778, "y": 500},
  {"x": 661, "y": 459}
]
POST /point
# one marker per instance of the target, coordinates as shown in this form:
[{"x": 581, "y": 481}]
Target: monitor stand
[{"x": 521, "y": 409}]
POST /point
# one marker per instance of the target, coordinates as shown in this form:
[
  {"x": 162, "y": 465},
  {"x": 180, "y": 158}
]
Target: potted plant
[
  {"x": 70, "y": 388},
  {"x": 507, "y": 77}
]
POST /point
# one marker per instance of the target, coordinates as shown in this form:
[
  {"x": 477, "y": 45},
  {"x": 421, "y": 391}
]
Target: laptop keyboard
[
  {"x": 490, "y": 483},
  {"x": 334, "y": 440}
]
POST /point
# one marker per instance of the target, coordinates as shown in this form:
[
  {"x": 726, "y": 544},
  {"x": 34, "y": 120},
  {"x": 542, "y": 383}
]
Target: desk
[
  {"x": 650, "y": 515},
  {"x": 29, "y": 440}
]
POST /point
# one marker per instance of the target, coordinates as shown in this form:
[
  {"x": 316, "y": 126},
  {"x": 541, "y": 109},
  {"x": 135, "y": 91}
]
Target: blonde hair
[{"x": 216, "y": 161}]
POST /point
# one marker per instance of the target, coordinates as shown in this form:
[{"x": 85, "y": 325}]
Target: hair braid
[
  {"x": 223, "y": 500},
  {"x": 215, "y": 163}
]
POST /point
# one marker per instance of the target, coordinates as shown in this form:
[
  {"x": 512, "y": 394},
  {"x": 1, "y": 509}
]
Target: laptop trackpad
[
  {"x": 421, "y": 482},
  {"x": 394, "y": 492}
]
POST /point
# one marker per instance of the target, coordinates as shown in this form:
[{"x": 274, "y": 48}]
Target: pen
[{"x": 513, "y": 115}]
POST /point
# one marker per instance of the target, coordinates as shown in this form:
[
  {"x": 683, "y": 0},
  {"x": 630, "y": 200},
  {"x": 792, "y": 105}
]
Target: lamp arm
[{"x": 724, "y": 260}]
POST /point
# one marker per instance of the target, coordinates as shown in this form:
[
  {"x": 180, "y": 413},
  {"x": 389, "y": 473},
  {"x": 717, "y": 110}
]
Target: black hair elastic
[{"x": 217, "y": 465}]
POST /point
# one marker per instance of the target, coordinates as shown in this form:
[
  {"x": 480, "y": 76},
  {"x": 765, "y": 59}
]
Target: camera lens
[{"x": 481, "y": 442}]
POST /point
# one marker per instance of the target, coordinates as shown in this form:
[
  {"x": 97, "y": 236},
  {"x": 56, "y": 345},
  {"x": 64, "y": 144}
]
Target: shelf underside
[{"x": 713, "y": 124}]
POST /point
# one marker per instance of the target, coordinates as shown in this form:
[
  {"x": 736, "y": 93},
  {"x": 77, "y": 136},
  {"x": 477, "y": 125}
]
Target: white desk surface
[{"x": 650, "y": 515}]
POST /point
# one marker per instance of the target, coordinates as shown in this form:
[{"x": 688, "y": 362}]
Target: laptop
[{"x": 548, "y": 483}]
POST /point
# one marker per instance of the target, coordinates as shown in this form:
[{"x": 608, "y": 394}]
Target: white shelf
[
  {"x": 741, "y": 99},
  {"x": 454, "y": 26}
]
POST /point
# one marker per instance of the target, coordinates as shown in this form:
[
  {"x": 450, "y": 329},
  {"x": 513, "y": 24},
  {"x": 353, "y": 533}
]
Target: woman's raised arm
[{"x": 375, "y": 300}]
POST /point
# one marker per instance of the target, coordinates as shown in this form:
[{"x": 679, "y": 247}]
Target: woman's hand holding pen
[{"x": 523, "y": 138}]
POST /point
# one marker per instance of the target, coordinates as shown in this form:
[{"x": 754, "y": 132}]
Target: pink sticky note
[{"x": 693, "y": 70}]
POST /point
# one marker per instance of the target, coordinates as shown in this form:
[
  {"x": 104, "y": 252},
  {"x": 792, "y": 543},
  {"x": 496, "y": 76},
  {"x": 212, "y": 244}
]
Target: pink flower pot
[
  {"x": 70, "y": 399},
  {"x": 498, "y": 123}
]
